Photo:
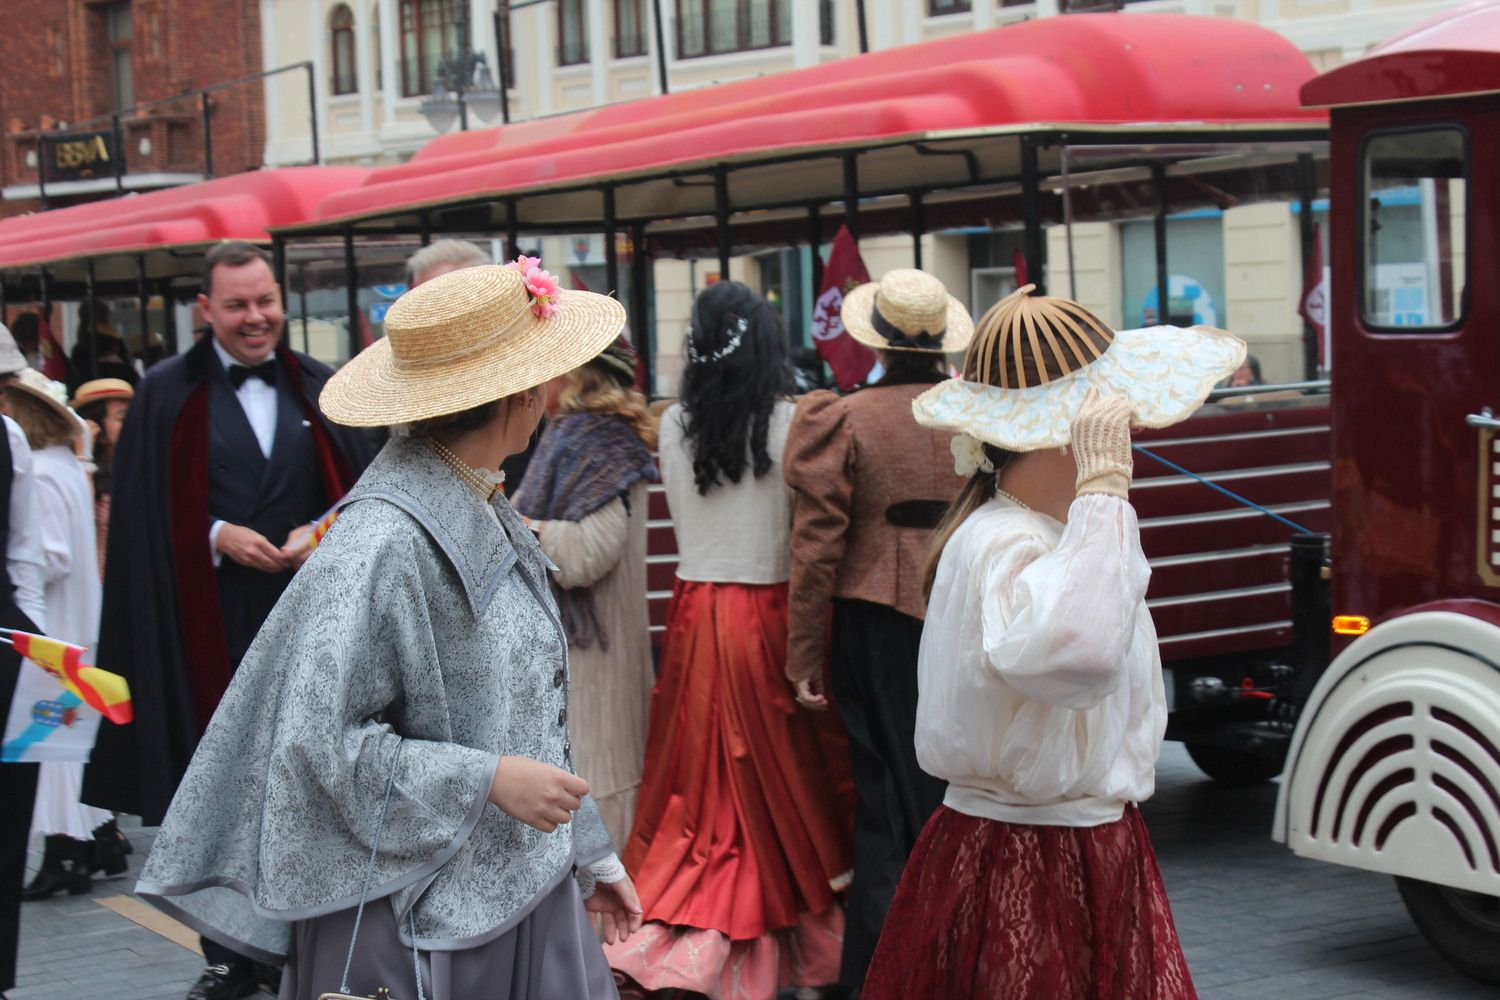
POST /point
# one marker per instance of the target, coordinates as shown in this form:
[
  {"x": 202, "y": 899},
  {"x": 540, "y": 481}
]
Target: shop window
[
  {"x": 341, "y": 29},
  {"x": 630, "y": 29},
  {"x": 937, "y": 7},
  {"x": 572, "y": 33},
  {"x": 429, "y": 31},
  {"x": 713, "y": 27},
  {"x": 121, "y": 72},
  {"x": 1414, "y": 229}
]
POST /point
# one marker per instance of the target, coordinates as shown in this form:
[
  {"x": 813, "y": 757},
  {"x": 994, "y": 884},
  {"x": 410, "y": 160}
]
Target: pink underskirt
[{"x": 705, "y": 961}]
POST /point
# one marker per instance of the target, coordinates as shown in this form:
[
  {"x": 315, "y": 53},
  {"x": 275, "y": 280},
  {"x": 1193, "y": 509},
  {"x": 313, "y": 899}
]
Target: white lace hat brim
[{"x": 1166, "y": 372}]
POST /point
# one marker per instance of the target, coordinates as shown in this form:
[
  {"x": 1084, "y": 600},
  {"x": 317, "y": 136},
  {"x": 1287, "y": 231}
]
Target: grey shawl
[{"x": 421, "y": 635}]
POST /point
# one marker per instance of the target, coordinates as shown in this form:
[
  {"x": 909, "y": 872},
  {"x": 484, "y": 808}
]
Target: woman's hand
[
  {"x": 810, "y": 694},
  {"x": 617, "y": 910},
  {"x": 540, "y": 795},
  {"x": 1101, "y": 445}
]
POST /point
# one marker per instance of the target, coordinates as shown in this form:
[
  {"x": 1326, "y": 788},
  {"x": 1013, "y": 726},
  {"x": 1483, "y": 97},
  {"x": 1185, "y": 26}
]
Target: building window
[
  {"x": 630, "y": 29},
  {"x": 429, "y": 31},
  {"x": 342, "y": 29},
  {"x": 936, "y": 7},
  {"x": 572, "y": 33},
  {"x": 712, "y": 27},
  {"x": 121, "y": 72}
]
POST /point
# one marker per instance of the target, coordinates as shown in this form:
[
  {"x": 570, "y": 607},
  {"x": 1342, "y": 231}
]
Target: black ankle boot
[
  {"x": 107, "y": 852},
  {"x": 65, "y": 865}
]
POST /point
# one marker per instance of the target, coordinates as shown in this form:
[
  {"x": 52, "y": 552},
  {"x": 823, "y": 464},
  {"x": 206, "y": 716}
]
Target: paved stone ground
[{"x": 1256, "y": 921}]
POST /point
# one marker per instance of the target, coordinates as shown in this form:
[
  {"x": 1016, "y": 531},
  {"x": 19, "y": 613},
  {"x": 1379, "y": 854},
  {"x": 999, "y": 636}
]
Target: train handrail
[{"x": 1312, "y": 386}]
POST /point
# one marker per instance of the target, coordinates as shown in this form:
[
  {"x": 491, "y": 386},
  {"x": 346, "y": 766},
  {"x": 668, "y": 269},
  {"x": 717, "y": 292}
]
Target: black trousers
[
  {"x": 872, "y": 673},
  {"x": 17, "y": 793}
]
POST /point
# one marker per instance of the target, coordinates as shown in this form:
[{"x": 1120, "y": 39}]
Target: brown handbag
[{"x": 383, "y": 993}]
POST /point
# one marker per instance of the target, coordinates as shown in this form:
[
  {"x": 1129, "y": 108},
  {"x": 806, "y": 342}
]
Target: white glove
[{"x": 606, "y": 871}]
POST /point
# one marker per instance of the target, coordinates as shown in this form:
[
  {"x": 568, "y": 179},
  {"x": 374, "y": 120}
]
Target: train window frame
[{"x": 1457, "y": 324}]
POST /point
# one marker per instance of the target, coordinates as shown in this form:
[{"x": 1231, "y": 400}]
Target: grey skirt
[{"x": 552, "y": 954}]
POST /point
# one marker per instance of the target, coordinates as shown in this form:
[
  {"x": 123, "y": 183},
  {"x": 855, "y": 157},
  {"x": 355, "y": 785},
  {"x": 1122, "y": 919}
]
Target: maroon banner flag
[
  {"x": 850, "y": 360},
  {"x": 54, "y": 363}
]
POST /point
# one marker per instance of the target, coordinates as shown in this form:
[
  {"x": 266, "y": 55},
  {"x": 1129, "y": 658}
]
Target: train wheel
[
  {"x": 1463, "y": 927},
  {"x": 1234, "y": 767}
]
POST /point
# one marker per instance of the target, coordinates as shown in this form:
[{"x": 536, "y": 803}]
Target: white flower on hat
[{"x": 969, "y": 456}]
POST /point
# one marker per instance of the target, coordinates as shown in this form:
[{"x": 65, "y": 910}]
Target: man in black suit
[{"x": 222, "y": 466}]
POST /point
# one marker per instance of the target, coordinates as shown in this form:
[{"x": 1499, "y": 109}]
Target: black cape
[{"x": 150, "y": 614}]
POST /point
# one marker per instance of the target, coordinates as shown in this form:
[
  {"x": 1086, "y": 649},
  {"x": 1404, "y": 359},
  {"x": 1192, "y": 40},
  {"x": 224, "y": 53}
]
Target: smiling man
[{"x": 223, "y": 464}]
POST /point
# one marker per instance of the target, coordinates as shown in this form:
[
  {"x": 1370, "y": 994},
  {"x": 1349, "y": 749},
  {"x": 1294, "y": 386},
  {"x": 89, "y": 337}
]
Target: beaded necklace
[
  {"x": 471, "y": 477},
  {"x": 1012, "y": 498}
]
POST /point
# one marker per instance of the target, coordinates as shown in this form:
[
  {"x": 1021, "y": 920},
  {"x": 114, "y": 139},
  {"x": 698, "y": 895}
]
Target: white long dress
[{"x": 71, "y": 594}]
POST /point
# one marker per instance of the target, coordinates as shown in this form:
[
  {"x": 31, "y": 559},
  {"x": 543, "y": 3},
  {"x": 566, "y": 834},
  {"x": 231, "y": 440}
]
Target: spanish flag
[{"x": 106, "y": 693}]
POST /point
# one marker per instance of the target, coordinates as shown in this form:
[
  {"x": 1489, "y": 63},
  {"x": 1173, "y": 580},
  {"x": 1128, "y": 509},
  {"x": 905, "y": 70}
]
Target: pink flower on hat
[
  {"x": 524, "y": 263},
  {"x": 543, "y": 288}
]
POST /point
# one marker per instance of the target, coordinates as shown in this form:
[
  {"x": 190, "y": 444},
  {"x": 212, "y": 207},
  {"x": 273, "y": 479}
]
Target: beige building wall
[
  {"x": 1263, "y": 280},
  {"x": 1099, "y": 284}
]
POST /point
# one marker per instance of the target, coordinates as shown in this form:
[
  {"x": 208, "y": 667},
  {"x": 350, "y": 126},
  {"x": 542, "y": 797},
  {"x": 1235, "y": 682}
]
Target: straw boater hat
[
  {"x": 907, "y": 310},
  {"x": 1165, "y": 372},
  {"x": 101, "y": 389},
  {"x": 467, "y": 338}
]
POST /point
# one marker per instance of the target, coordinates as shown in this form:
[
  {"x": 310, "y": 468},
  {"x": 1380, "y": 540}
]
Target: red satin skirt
[
  {"x": 988, "y": 909},
  {"x": 745, "y": 815}
]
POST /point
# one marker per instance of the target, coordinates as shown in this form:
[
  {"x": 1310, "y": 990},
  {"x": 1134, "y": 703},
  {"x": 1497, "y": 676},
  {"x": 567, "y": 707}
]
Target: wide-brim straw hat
[
  {"x": 54, "y": 394},
  {"x": 907, "y": 310},
  {"x": 463, "y": 339},
  {"x": 101, "y": 389},
  {"x": 1165, "y": 372}
]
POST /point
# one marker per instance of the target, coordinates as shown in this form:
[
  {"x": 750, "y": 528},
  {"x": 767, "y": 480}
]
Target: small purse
[{"x": 383, "y": 993}]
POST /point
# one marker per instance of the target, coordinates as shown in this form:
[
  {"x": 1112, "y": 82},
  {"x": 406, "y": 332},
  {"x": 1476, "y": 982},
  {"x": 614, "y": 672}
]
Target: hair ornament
[
  {"x": 541, "y": 285},
  {"x": 740, "y": 327},
  {"x": 969, "y": 456}
]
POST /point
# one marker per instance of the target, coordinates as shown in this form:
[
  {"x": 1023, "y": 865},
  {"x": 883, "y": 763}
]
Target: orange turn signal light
[{"x": 1350, "y": 624}]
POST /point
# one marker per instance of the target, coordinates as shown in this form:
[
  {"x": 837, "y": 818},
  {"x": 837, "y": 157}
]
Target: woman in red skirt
[
  {"x": 1041, "y": 690},
  {"x": 741, "y": 835}
]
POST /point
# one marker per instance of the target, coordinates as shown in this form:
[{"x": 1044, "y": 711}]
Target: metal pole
[
  {"x": 463, "y": 111},
  {"x": 1307, "y": 180},
  {"x": 351, "y": 287},
  {"x": 502, "y": 14},
  {"x": 815, "y": 240},
  {"x": 721, "y": 219},
  {"x": 918, "y": 228},
  {"x": 859, "y": 20},
  {"x": 143, "y": 294},
  {"x": 640, "y": 304},
  {"x": 208, "y": 137},
  {"x": 4, "y": 304},
  {"x": 851, "y": 195},
  {"x": 41, "y": 170},
  {"x": 1031, "y": 210},
  {"x": 1159, "y": 188},
  {"x": 611, "y": 251},
  {"x": 661, "y": 45},
  {"x": 93, "y": 325},
  {"x": 168, "y": 314},
  {"x": 46, "y": 295},
  {"x": 424, "y": 227},
  {"x": 312, "y": 111},
  {"x": 512, "y": 229},
  {"x": 1067, "y": 194},
  {"x": 302, "y": 309},
  {"x": 118, "y": 153},
  {"x": 278, "y": 264}
]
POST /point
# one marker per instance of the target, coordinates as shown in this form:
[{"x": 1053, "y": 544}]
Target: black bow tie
[{"x": 266, "y": 372}]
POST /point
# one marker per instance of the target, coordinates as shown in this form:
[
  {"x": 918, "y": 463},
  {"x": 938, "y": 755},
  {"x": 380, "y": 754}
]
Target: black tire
[
  {"x": 1463, "y": 927},
  {"x": 1234, "y": 767}
]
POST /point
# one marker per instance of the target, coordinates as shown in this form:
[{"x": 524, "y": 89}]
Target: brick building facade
[{"x": 71, "y": 65}]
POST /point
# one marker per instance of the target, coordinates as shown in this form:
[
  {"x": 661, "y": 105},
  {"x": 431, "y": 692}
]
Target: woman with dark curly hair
[{"x": 741, "y": 835}]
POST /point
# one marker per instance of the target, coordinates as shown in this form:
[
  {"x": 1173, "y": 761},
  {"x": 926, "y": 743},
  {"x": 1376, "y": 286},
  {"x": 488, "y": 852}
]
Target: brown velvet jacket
[{"x": 871, "y": 484}]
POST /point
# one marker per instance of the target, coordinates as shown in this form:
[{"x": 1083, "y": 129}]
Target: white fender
[{"x": 1395, "y": 765}]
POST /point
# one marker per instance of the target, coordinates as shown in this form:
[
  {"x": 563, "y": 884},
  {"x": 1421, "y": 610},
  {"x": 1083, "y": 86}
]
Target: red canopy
[
  {"x": 240, "y": 207},
  {"x": 1455, "y": 53},
  {"x": 1148, "y": 72}
]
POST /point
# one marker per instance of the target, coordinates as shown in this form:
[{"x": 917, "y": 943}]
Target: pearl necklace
[
  {"x": 471, "y": 477},
  {"x": 1012, "y": 498}
]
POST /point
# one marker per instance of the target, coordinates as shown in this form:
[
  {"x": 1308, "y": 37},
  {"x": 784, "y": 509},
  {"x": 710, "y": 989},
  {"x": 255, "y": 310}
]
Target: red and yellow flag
[{"x": 106, "y": 693}]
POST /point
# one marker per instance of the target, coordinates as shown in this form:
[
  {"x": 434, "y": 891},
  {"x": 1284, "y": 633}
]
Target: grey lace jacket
[{"x": 421, "y": 639}]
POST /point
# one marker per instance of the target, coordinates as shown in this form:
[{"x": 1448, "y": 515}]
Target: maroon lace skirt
[{"x": 988, "y": 909}]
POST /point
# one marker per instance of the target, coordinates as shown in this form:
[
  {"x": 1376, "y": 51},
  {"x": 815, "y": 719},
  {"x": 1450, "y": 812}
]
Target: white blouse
[
  {"x": 70, "y": 553},
  {"x": 1041, "y": 697}
]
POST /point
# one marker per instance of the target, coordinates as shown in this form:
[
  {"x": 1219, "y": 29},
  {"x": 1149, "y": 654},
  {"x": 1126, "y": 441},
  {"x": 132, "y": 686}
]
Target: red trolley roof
[
  {"x": 1453, "y": 54},
  {"x": 1105, "y": 72},
  {"x": 163, "y": 224}
]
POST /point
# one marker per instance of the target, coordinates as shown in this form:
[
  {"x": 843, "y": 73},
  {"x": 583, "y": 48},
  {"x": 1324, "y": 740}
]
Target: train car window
[{"x": 1415, "y": 230}]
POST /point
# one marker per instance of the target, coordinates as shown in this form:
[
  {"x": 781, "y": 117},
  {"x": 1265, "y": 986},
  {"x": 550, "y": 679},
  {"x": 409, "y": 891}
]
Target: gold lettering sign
[{"x": 79, "y": 153}]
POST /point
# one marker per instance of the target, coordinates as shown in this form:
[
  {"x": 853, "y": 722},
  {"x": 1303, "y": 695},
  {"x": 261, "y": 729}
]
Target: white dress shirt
[
  {"x": 1041, "y": 698},
  {"x": 258, "y": 400},
  {"x": 23, "y": 548}
]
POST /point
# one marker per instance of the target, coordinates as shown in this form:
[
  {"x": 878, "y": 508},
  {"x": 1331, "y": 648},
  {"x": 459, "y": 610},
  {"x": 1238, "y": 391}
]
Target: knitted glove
[{"x": 1101, "y": 445}]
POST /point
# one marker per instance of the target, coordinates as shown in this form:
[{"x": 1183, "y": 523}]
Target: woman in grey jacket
[{"x": 391, "y": 763}]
